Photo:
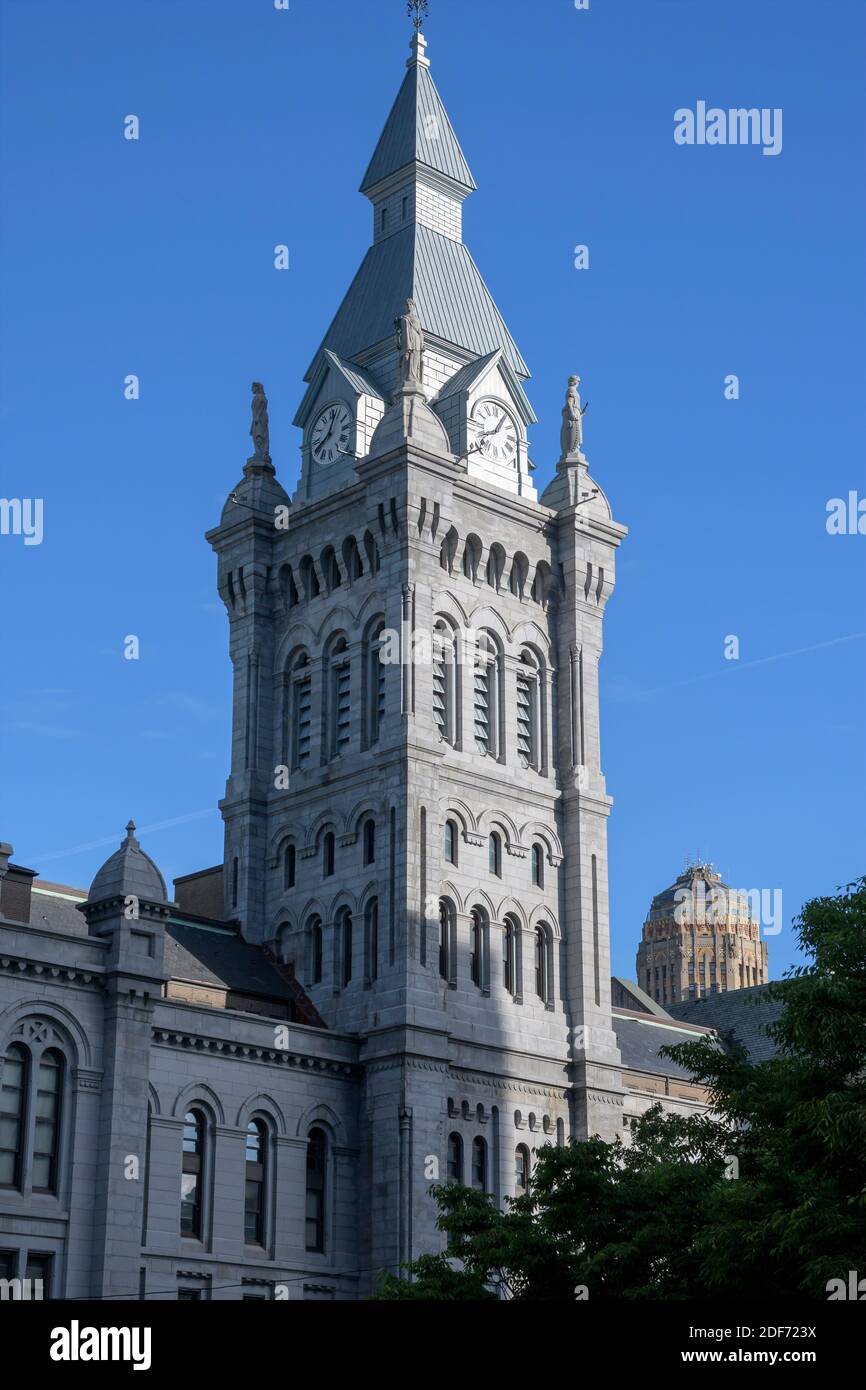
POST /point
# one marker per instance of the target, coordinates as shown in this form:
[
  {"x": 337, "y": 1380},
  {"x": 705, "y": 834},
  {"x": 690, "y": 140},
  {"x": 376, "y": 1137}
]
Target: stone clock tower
[{"x": 415, "y": 819}]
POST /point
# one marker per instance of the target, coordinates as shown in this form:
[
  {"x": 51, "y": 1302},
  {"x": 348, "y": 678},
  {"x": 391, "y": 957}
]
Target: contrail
[
  {"x": 760, "y": 661},
  {"x": 116, "y": 839}
]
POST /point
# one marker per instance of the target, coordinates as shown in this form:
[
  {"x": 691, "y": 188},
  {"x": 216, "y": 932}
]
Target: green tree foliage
[{"x": 662, "y": 1218}]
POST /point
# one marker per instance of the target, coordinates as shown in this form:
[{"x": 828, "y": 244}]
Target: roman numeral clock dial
[
  {"x": 332, "y": 434},
  {"x": 496, "y": 433}
]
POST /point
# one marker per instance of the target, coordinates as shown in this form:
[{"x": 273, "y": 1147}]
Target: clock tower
[{"x": 415, "y": 818}]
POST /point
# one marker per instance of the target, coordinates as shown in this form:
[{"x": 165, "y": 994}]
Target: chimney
[{"x": 15, "y": 886}]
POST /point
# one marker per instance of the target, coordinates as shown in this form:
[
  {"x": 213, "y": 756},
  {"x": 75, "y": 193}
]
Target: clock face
[
  {"x": 497, "y": 433},
  {"x": 332, "y": 433}
]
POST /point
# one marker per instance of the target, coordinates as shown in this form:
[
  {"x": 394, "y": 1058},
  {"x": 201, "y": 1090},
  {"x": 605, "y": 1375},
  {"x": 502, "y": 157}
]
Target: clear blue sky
[{"x": 156, "y": 257}]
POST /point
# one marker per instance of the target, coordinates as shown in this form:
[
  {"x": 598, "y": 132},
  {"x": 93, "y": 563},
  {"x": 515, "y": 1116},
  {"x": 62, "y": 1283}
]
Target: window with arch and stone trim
[
  {"x": 318, "y": 1156},
  {"x": 257, "y": 1168},
  {"x": 34, "y": 1109}
]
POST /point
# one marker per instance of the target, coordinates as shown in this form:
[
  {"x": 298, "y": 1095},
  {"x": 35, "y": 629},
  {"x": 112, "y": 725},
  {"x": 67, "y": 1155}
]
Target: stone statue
[
  {"x": 571, "y": 437},
  {"x": 260, "y": 428},
  {"x": 410, "y": 344}
]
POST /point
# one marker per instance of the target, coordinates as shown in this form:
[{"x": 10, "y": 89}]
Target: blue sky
[{"x": 156, "y": 257}]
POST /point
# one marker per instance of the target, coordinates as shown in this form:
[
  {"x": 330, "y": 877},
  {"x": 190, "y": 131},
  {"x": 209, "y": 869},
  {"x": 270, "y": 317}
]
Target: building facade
[
  {"x": 700, "y": 938},
  {"x": 401, "y": 970}
]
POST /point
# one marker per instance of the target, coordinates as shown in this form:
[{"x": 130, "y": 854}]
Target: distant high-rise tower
[{"x": 699, "y": 938}]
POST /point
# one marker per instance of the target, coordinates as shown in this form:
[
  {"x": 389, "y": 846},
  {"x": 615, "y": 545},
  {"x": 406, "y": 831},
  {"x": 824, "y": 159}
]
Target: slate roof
[
  {"x": 742, "y": 1014},
  {"x": 453, "y": 302},
  {"x": 639, "y": 1042},
  {"x": 418, "y": 128},
  {"x": 53, "y": 907},
  {"x": 211, "y": 955}
]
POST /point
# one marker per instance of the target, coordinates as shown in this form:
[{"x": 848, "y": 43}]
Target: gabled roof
[
  {"x": 453, "y": 302},
  {"x": 358, "y": 381},
  {"x": 468, "y": 377},
  {"x": 418, "y": 130}
]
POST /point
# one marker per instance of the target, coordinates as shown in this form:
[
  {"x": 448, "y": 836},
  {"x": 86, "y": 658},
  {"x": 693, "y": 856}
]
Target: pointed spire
[{"x": 418, "y": 131}]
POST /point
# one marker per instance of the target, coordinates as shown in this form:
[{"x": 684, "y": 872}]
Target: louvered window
[
  {"x": 483, "y": 709},
  {"x": 525, "y": 731},
  {"x": 342, "y": 706},
  {"x": 302, "y": 703},
  {"x": 440, "y": 695}
]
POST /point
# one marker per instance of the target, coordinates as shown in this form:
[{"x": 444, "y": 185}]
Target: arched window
[
  {"x": 13, "y": 1090},
  {"x": 479, "y": 1165},
  {"x": 445, "y": 683},
  {"x": 537, "y": 865},
  {"x": 521, "y": 1169},
  {"x": 309, "y": 578},
  {"x": 371, "y": 550},
  {"x": 317, "y": 1163},
  {"x": 472, "y": 557},
  {"x": 288, "y": 588},
  {"x": 488, "y": 688},
  {"x": 542, "y": 965},
  {"x": 338, "y": 698},
  {"x": 375, "y": 689},
  {"x": 352, "y": 559},
  {"x": 330, "y": 569},
  {"x": 289, "y": 862},
  {"x": 445, "y": 920},
  {"x": 344, "y": 926},
  {"x": 255, "y": 1182},
  {"x": 328, "y": 855},
  {"x": 316, "y": 951},
  {"x": 369, "y": 842},
  {"x": 476, "y": 946},
  {"x": 455, "y": 1158},
  {"x": 494, "y": 855},
  {"x": 448, "y": 550},
  {"x": 371, "y": 938},
  {"x": 519, "y": 572},
  {"x": 46, "y": 1136},
  {"x": 495, "y": 567},
  {"x": 450, "y": 842},
  {"x": 192, "y": 1175},
  {"x": 300, "y": 700},
  {"x": 508, "y": 938}
]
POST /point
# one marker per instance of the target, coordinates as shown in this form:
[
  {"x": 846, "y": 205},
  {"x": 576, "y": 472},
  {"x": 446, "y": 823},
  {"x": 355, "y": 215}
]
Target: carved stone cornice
[
  {"x": 64, "y": 974},
  {"x": 251, "y": 1052}
]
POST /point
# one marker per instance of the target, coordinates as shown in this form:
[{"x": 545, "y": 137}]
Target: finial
[
  {"x": 418, "y": 12},
  {"x": 130, "y": 832}
]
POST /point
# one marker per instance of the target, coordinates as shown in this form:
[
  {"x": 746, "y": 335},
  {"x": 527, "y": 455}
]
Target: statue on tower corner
[
  {"x": 260, "y": 428},
  {"x": 410, "y": 345},
  {"x": 571, "y": 437}
]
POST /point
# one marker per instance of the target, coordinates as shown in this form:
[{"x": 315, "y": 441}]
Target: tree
[{"x": 662, "y": 1218}]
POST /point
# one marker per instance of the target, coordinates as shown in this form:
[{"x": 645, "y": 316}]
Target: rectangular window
[{"x": 38, "y": 1271}]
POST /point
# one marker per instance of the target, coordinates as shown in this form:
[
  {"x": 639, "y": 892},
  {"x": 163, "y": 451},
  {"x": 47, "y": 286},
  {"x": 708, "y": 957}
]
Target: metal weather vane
[{"x": 418, "y": 12}]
